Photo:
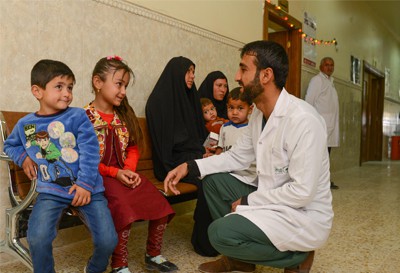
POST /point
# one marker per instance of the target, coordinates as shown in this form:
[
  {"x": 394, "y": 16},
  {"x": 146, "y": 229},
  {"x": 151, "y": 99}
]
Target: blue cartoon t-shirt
[{"x": 63, "y": 145}]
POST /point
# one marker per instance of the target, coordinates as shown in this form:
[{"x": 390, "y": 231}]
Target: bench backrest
[
  {"x": 21, "y": 183},
  {"x": 145, "y": 164}
]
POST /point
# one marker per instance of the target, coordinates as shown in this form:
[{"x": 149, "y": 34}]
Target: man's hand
[
  {"x": 129, "y": 178},
  {"x": 235, "y": 204},
  {"x": 82, "y": 197},
  {"x": 30, "y": 168},
  {"x": 174, "y": 176}
]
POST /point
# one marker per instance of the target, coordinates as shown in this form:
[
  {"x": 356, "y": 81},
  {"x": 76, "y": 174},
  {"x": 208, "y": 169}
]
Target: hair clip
[{"x": 114, "y": 57}]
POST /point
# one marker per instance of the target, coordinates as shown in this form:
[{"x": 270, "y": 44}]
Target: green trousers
[{"x": 234, "y": 235}]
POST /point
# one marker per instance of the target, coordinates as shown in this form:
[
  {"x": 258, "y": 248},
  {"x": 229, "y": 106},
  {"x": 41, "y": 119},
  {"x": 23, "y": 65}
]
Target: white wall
[{"x": 240, "y": 20}]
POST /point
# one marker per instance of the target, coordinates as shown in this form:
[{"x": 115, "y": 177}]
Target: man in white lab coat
[
  {"x": 286, "y": 213},
  {"x": 321, "y": 94}
]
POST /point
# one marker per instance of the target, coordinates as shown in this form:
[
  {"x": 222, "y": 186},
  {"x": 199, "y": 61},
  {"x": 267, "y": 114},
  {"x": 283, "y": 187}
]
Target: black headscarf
[
  {"x": 175, "y": 119},
  {"x": 206, "y": 90}
]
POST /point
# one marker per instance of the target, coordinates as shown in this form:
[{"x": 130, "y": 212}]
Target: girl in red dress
[{"x": 131, "y": 197}]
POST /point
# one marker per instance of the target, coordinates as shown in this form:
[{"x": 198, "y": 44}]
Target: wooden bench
[
  {"x": 22, "y": 191},
  {"x": 145, "y": 167}
]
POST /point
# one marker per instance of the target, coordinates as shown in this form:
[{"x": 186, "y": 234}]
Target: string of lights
[{"x": 282, "y": 14}]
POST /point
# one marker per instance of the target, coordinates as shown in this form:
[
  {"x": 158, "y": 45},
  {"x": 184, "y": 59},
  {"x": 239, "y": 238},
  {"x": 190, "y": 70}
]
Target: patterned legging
[{"x": 155, "y": 235}]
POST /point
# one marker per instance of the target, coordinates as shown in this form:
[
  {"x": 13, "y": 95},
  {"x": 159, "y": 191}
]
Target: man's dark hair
[
  {"x": 236, "y": 94},
  {"x": 46, "y": 70},
  {"x": 269, "y": 54}
]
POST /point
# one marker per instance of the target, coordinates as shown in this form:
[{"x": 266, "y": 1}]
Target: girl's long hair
[{"x": 124, "y": 110}]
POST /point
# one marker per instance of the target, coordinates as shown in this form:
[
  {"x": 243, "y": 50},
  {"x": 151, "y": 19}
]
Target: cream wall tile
[{"x": 79, "y": 33}]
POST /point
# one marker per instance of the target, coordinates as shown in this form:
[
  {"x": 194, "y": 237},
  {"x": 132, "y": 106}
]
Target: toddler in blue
[{"x": 58, "y": 146}]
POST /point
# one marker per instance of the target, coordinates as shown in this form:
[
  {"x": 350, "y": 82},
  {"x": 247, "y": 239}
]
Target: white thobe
[{"x": 321, "y": 94}]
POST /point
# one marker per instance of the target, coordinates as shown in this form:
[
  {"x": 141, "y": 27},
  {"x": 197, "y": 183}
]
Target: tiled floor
[{"x": 365, "y": 237}]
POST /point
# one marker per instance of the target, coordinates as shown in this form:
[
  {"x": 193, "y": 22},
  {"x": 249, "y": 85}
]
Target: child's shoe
[
  {"x": 122, "y": 269},
  {"x": 159, "y": 263}
]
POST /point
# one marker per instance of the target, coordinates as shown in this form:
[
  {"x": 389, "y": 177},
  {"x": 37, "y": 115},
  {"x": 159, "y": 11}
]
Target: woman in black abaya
[
  {"x": 176, "y": 126},
  {"x": 215, "y": 87}
]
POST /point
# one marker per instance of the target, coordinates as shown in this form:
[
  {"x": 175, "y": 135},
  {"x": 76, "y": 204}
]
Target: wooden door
[
  {"x": 286, "y": 33},
  {"x": 372, "y": 114}
]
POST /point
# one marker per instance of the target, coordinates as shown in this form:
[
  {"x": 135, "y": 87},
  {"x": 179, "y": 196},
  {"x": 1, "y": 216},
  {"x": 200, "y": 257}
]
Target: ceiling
[{"x": 388, "y": 11}]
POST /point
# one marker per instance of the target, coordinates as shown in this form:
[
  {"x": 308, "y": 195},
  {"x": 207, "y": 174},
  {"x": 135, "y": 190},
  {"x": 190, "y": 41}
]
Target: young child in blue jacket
[{"x": 57, "y": 145}]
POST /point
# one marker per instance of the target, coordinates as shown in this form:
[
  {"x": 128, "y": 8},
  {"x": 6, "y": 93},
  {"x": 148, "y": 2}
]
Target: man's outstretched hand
[{"x": 174, "y": 176}]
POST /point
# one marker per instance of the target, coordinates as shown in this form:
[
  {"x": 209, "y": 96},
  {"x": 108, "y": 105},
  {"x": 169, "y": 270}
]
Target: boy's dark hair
[
  {"x": 235, "y": 94},
  {"x": 46, "y": 70},
  {"x": 269, "y": 54},
  {"x": 205, "y": 101}
]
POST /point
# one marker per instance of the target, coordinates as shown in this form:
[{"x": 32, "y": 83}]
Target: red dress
[{"x": 128, "y": 205}]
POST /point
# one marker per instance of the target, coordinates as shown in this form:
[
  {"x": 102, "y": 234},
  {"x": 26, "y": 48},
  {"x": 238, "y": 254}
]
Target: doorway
[
  {"x": 371, "y": 114},
  {"x": 280, "y": 27}
]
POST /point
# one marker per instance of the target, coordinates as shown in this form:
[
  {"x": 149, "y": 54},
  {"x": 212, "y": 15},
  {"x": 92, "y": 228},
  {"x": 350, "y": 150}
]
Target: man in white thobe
[{"x": 321, "y": 94}]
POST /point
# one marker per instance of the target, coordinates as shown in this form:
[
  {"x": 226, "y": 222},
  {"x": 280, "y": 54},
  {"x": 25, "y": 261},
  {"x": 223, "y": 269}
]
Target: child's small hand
[
  {"x": 129, "y": 178},
  {"x": 82, "y": 197},
  {"x": 211, "y": 149},
  {"x": 209, "y": 152},
  {"x": 30, "y": 168}
]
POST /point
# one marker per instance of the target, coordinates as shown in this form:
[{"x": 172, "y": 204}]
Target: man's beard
[{"x": 253, "y": 89}]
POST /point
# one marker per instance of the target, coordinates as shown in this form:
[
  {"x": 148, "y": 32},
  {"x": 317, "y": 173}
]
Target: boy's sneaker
[
  {"x": 122, "y": 269},
  {"x": 159, "y": 263}
]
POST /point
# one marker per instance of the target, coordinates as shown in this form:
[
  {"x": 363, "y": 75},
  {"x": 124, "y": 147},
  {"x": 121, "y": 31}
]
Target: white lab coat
[
  {"x": 293, "y": 203},
  {"x": 321, "y": 94}
]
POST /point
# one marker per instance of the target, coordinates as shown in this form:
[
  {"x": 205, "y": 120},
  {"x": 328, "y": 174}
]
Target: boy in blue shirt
[{"x": 57, "y": 145}]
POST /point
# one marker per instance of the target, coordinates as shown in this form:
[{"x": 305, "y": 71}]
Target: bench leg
[{"x": 12, "y": 244}]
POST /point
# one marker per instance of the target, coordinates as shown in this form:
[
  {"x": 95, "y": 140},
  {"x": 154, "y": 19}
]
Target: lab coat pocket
[
  {"x": 280, "y": 167},
  {"x": 279, "y": 162}
]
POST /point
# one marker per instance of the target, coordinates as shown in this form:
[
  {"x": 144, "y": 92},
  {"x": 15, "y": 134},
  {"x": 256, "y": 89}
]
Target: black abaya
[
  {"x": 206, "y": 90},
  {"x": 176, "y": 126},
  {"x": 174, "y": 118}
]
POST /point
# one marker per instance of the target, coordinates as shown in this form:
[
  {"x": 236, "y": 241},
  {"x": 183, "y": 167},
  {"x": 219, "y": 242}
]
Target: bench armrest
[{"x": 4, "y": 157}]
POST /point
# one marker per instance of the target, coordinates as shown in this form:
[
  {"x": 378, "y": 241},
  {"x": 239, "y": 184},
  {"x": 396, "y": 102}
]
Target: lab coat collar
[
  {"x": 280, "y": 110},
  {"x": 282, "y": 104}
]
